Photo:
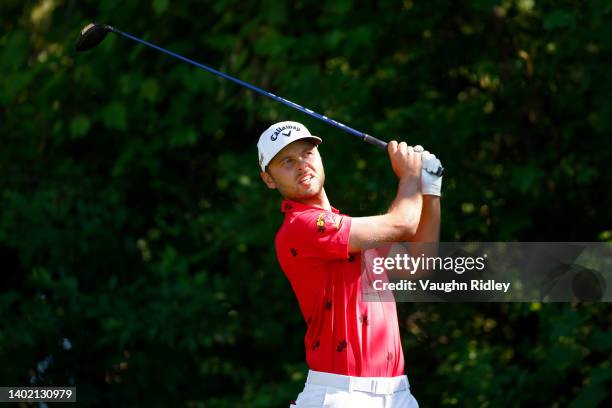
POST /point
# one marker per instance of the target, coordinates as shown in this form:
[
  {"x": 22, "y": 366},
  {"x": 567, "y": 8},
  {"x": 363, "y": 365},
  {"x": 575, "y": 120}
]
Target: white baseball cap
[{"x": 279, "y": 135}]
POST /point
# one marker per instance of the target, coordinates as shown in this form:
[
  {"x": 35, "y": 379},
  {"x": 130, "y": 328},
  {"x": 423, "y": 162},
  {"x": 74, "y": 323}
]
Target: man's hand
[
  {"x": 405, "y": 162},
  {"x": 430, "y": 183}
]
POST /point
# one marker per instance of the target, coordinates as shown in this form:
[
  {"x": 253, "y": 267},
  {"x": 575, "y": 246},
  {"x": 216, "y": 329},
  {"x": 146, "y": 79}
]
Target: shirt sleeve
[{"x": 322, "y": 234}]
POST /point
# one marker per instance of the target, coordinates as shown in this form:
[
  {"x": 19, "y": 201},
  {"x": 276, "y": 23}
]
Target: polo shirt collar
[{"x": 291, "y": 206}]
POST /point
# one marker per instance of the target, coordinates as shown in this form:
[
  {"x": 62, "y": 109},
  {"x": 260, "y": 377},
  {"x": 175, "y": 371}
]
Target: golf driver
[{"x": 93, "y": 34}]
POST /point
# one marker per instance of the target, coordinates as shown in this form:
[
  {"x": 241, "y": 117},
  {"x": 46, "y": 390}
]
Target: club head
[{"x": 91, "y": 35}]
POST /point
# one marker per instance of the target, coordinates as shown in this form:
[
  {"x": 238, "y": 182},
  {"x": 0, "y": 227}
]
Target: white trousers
[{"x": 325, "y": 390}]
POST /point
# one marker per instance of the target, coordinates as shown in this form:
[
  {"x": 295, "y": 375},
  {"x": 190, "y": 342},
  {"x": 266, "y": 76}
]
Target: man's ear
[{"x": 268, "y": 180}]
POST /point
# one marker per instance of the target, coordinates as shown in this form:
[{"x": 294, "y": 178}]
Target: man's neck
[{"x": 320, "y": 200}]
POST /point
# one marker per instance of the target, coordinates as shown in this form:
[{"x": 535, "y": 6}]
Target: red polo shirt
[{"x": 345, "y": 335}]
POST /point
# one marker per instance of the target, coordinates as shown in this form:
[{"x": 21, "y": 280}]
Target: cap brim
[{"x": 314, "y": 139}]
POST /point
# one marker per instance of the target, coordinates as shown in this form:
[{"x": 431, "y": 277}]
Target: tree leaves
[
  {"x": 134, "y": 222},
  {"x": 79, "y": 125},
  {"x": 114, "y": 116},
  {"x": 559, "y": 19},
  {"x": 160, "y": 6}
]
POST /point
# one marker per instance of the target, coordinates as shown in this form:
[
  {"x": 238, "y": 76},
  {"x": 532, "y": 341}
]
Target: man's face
[{"x": 296, "y": 171}]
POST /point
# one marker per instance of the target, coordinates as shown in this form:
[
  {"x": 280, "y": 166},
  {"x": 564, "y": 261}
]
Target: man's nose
[{"x": 301, "y": 163}]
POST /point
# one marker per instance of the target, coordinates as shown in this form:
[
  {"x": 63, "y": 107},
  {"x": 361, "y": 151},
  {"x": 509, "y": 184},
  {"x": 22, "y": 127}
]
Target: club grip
[
  {"x": 374, "y": 141},
  {"x": 383, "y": 145},
  {"x": 439, "y": 172}
]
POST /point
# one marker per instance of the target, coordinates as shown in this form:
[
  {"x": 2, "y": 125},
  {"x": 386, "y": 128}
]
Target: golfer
[{"x": 353, "y": 347}]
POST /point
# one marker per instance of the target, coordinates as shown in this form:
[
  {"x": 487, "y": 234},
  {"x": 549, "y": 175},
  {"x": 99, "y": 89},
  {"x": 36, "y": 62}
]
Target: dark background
[{"x": 136, "y": 240}]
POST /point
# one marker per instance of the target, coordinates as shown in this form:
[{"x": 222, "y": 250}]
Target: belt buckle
[
  {"x": 382, "y": 387},
  {"x": 374, "y": 386}
]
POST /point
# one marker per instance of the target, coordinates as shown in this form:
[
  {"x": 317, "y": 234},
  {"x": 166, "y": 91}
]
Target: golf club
[{"x": 94, "y": 33}]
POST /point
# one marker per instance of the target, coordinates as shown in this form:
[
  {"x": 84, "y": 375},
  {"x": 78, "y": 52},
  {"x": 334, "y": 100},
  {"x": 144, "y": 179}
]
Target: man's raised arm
[{"x": 402, "y": 219}]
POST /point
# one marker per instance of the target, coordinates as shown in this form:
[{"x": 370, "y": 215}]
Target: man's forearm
[
  {"x": 407, "y": 206},
  {"x": 429, "y": 223},
  {"x": 425, "y": 241}
]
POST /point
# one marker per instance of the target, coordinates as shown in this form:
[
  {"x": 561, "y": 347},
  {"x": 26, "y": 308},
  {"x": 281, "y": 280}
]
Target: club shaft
[{"x": 363, "y": 136}]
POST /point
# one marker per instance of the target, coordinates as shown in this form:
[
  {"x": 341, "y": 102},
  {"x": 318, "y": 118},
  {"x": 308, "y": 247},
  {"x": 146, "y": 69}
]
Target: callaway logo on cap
[{"x": 279, "y": 135}]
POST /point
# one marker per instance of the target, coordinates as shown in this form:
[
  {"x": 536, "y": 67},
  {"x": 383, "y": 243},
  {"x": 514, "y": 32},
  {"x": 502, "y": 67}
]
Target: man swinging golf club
[{"x": 353, "y": 347}]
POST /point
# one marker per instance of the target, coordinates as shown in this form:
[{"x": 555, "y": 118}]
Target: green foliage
[{"x": 134, "y": 225}]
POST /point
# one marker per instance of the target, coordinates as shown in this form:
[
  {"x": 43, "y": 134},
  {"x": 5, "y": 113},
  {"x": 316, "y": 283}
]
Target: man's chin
[
  {"x": 305, "y": 193},
  {"x": 313, "y": 190}
]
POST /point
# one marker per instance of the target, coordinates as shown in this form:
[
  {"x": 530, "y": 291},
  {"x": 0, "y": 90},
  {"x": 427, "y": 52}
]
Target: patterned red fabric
[{"x": 345, "y": 335}]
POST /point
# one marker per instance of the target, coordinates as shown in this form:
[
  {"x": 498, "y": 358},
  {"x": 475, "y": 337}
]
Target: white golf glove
[{"x": 430, "y": 183}]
